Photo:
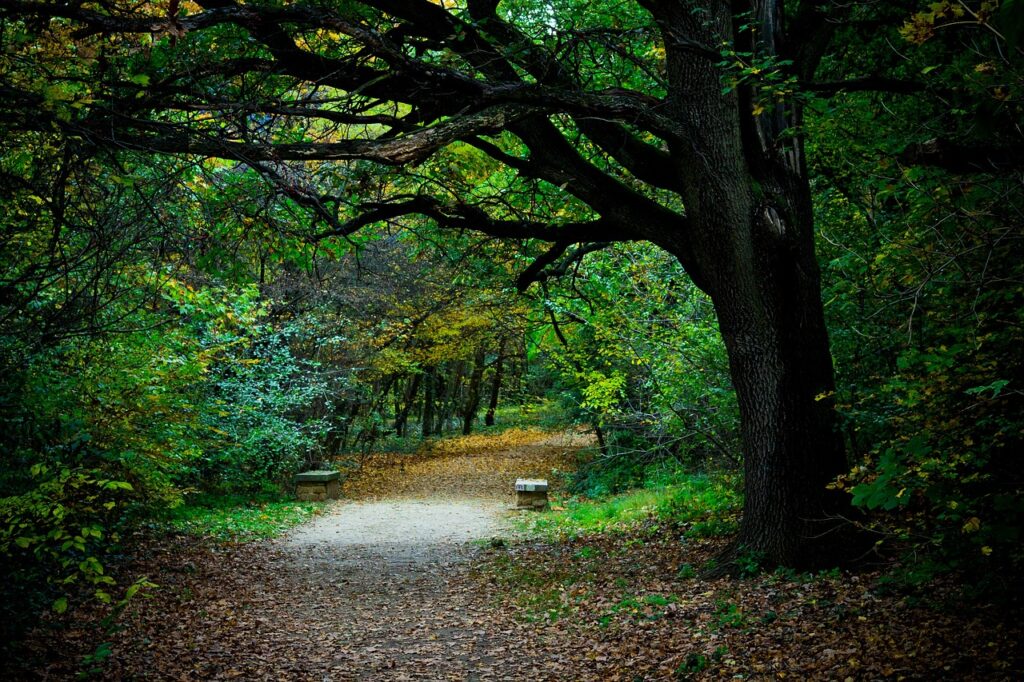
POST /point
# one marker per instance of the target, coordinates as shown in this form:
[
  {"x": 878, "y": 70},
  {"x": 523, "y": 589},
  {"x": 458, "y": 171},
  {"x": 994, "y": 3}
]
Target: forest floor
[{"x": 418, "y": 575}]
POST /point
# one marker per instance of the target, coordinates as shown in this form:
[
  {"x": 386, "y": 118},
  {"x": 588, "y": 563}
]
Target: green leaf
[
  {"x": 60, "y": 605},
  {"x": 996, "y": 387}
]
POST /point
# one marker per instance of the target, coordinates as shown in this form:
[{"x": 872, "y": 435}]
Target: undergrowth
[
  {"x": 238, "y": 518},
  {"x": 706, "y": 503}
]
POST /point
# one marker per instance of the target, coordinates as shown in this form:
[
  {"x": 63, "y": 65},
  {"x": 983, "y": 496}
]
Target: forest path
[
  {"x": 376, "y": 588},
  {"x": 394, "y": 583},
  {"x": 391, "y": 561}
]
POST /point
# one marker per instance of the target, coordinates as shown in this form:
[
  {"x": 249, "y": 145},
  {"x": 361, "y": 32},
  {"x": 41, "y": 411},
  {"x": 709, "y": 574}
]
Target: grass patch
[
  {"x": 238, "y": 518},
  {"x": 642, "y": 607},
  {"x": 708, "y": 503}
]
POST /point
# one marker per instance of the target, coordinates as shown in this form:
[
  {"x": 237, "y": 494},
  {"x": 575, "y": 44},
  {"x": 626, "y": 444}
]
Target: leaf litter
[{"x": 613, "y": 606}]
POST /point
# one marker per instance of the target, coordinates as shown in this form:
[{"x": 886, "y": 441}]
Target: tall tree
[{"x": 573, "y": 123}]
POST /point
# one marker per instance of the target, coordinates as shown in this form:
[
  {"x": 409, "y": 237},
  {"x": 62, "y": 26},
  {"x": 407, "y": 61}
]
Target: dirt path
[
  {"x": 373, "y": 589},
  {"x": 392, "y": 590}
]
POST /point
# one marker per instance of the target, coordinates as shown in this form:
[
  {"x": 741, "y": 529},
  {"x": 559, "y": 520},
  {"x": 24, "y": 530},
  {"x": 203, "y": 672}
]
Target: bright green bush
[{"x": 644, "y": 361}]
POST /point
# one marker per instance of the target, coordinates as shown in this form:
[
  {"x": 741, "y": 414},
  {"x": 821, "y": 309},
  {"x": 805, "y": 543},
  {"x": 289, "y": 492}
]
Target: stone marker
[
  {"x": 531, "y": 493},
  {"x": 317, "y": 486}
]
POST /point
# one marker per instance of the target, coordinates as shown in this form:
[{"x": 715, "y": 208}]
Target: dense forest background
[{"x": 177, "y": 323}]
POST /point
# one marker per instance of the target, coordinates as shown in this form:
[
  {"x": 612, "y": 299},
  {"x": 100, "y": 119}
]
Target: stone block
[
  {"x": 531, "y": 493},
  {"x": 317, "y": 486}
]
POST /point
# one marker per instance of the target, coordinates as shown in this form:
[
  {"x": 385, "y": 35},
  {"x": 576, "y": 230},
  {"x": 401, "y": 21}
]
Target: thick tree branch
[
  {"x": 472, "y": 218},
  {"x": 407, "y": 149},
  {"x": 545, "y": 268},
  {"x": 529, "y": 275},
  {"x": 489, "y": 96}
]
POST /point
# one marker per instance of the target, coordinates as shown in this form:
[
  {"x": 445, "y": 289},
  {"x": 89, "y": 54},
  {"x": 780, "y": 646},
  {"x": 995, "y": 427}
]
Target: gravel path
[
  {"x": 415, "y": 524},
  {"x": 390, "y": 576}
]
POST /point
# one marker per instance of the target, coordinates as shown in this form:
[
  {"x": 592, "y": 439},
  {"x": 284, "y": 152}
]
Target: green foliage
[
  {"x": 924, "y": 297},
  {"x": 686, "y": 572},
  {"x": 234, "y": 518},
  {"x": 643, "y": 360},
  {"x": 694, "y": 663},
  {"x": 729, "y": 614},
  {"x": 104, "y": 428},
  {"x": 260, "y": 392},
  {"x": 61, "y": 527},
  {"x": 706, "y": 503}
]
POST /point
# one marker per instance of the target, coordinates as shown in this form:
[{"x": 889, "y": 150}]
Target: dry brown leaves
[
  {"x": 618, "y": 610},
  {"x": 611, "y": 607},
  {"x": 484, "y": 466}
]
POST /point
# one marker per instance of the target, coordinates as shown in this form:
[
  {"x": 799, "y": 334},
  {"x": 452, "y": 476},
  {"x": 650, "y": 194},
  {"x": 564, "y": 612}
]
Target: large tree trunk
[
  {"x": 772, "y": 321},
  {"x": 750, "y": 246},
  {"x": 761, "y": 273}
]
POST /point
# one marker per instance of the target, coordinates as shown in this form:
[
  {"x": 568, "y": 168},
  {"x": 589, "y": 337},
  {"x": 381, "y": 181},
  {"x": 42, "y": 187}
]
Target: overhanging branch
[
  {"x": 410, "y": 148},
  {"x": 545, "y": 266},
  {"x": 472, "y": 218}
]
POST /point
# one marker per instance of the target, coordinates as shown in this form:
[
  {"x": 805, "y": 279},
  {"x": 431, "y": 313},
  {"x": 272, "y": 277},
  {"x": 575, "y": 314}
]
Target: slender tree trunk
[
  {"x": 449, "y": 398},
  {"x": 353, "y": 412},
  {"x": 472, "y": 403},
  {"x": 427, "y": 415},
  {"x": 441, "y": 386},
  {"x": 402, "y": 414},
  {"x": 499, "y": 370}
]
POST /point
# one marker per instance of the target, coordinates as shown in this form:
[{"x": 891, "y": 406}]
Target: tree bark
[
  {"x": 751, "y": 248},
  {"x": 499, "y": 370},
  {"x": 771, "y": 319},
  {"x": 402, "y": 414},
  {"x": 449, "y": 396},
  {"x": 472, "y": 403},
  {"x": 427, "y": 415}
]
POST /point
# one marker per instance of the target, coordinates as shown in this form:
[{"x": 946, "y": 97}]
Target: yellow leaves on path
[{"x": 481, "y": 466}]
